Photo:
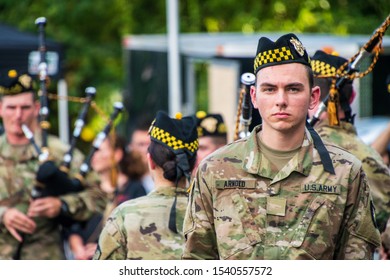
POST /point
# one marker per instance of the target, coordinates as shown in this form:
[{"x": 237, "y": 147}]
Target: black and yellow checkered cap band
[
  {"x": 272, "y": 56},
  {"x": 322, "y": 68},
  {"x": 178, "y": 134},
  {"x": 287, "y": 49},
  {"x": 325, "y": 64},
  {"x": 173, "y": 142}
]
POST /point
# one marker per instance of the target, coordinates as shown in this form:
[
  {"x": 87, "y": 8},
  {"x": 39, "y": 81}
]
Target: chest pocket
[
  {"x": 239, "y": 227},
  {"x": 16, "y": 183},
  {"x": 302, "y": 228},
  {"x": 317, "y": 232},
  {"x": 253, "y": 219},
  {"x": 311, "y": 231}
]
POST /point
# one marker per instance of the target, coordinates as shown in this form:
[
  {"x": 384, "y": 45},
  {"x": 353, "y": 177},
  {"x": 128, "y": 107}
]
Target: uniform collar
[
  {"x": 256, "y": 163},
  {"x": 345, "y": 126},
  {"x": 16, "y": 153},
  {"x": 168, "y": 190}
]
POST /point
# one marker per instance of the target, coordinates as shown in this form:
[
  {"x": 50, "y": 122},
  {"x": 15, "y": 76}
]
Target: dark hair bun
[{"x": 169, "y": 168}]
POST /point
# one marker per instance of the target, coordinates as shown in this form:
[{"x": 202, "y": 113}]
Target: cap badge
[
  {"x": 210, "y": 124},
  {"x": 298, "y": 46},
  {"x": 25, "y": 80}
]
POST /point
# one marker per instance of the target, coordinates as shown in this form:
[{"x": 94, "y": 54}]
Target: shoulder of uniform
[
  {"x": 228, "y": 149},
  {"x": 56, "y": 147},
  {"x": 135, "y": 203},
  {"x": 121, "y": 209},
  {"x": 232, "y": 146},
  {"x": 56, "y": 142},
  {"x": 341, "y": 155}
]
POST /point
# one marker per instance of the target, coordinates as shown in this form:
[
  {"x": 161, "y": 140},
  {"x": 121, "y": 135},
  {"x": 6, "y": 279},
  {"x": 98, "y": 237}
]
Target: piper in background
[{"x": 28, "y": 229}]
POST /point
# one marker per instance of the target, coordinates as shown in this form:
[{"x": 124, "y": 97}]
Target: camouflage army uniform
[
  {"x": 377, "y": 172},
  {"x": 241, "y": 209},
  {"x": 18, "y": 166},
  {"x": 138, "y": 228}
]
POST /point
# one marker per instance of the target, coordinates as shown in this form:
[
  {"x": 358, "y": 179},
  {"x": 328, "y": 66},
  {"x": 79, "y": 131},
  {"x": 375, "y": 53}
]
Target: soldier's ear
[
  {"x": 151, "y": 163},
  {"x": 314, "y": 97},
  {"x": 253, "y": 96}
]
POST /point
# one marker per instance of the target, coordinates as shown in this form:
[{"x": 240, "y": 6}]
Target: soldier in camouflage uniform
[
  {"x": 28, "y": 229},
  {"x": 150, "y": 227},
  {"x": 345, "y": 135},
  {"x": 281, "y": 193}
]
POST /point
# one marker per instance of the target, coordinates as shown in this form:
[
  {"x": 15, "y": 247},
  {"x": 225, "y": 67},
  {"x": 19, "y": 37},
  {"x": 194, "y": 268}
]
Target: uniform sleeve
[
  {"x": 199, "y": 223},
  {"x": 112, "y": 243},
  {"x": 360, "y": 236},
  {"x": 378, "y": 176},
  {"x": 83, "y": 205}
]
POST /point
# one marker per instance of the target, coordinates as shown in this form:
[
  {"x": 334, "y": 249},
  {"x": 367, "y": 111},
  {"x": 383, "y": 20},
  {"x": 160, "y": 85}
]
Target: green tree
[{"x": 92, "y": 30}]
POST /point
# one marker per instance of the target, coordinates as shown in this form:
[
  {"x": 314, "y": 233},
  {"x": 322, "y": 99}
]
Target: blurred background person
[
  {"x": 150, "y": 227},
  {"x": 120, "y": 174},
  {"x": 212, "y": 134},
  {"x": 140, "y": 141},
  {"x": 31, "y": 228},
  {"x": 381, "y": 144}
]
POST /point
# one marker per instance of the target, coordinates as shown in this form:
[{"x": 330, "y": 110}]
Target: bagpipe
[
  {"x": 244, "y": 110},
  {"x": 349, "y": 71},
  {"x": 53, "y": 179}
]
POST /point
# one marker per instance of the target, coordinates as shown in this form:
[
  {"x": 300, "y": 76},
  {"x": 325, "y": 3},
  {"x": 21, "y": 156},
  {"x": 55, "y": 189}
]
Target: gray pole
[
  {"x": 63, "y": 116},
  {"x": 190, "y": 105},
  {"x": 174, "y": 80}
]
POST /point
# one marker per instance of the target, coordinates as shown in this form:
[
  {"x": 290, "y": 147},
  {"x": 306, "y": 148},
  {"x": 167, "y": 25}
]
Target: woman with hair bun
[
  {"x": 119, "y": 173},
  {"x": 150, "y": 227}
]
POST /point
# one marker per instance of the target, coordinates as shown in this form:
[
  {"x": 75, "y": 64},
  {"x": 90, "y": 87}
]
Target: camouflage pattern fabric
[
  {"x": 18, "y": 166},
  {"x": 378, "y": 174},
  {"x": 138, "y": 229},
  {"x": 242, "y": 208}
]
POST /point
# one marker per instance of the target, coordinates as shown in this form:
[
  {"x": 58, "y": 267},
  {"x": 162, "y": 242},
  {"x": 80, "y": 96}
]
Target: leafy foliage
[{"x": 92, "y": 30}]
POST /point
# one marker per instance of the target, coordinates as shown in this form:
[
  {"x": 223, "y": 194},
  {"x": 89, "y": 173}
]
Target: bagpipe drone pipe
[
  {"x": 53, "y": 180},
  {"x": 349, "y": 72}
]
